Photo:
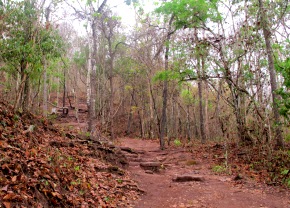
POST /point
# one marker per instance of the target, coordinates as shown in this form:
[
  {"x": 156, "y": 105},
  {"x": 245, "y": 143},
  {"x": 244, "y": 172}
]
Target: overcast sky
[
  {"x": 127, "y": 12},
  {"x": 119, "y": 7}
]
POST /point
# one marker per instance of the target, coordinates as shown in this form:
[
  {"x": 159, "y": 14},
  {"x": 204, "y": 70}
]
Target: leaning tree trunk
[{"x": 273, "y": 81}]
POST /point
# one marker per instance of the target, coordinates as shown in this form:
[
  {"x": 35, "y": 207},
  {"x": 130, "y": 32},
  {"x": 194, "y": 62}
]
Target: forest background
[{"x": 190, "y": 70}]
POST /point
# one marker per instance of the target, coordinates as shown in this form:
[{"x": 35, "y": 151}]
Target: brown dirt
[{"x": 216, "y": 191}]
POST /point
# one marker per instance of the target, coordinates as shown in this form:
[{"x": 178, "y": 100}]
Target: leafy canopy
[
  {"x": 26, "y": 40},
  {"x": 284, "y": 69},
  {"x": 189, "y": 13}
]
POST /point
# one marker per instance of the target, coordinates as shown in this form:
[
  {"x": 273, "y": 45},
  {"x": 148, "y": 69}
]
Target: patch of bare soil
[{"x": 178, "y": 178}]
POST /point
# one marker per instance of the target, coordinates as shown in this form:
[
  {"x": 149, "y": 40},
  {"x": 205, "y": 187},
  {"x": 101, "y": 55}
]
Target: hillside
[{"x": 44, "y": 166}]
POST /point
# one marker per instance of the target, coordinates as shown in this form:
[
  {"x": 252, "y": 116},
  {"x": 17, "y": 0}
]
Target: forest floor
[
  {"x": 185, "y": 179},
  {"x": 195, "y": 176}
]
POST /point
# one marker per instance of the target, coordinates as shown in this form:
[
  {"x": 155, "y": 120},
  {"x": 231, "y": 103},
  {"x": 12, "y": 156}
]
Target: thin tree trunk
[
  {"x": 128, "y": 131},
  {"x": 26, "y": 96},
  {"x": 112, "y": 90},
  {"x": 188, "y": 126},
  {"x": 45, "y": 96},
  {"x": 206, "y": 122},
  {"x": 93, "y": 70},
  {"x": 93, "y": 74},
  {"x": 273, "y": 81},
  {"x": 153, "y": 106},
  {"x": 200, "y": 93},
  {"x": 165, "y": 89},
  {"x": 20, "y": 92},
  {"x": 64, "y": 89},
  {"x": 45, "y": 108}
]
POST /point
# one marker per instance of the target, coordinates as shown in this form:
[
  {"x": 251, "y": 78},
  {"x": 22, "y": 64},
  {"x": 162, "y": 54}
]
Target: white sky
[
  {"x": 127, "y": 12},
  {"x": 120, "y": 8}
]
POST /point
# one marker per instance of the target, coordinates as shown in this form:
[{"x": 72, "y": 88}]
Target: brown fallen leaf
[
  {"x": 9, "y": 197},
  {"x": 3, "y": 144},
  {"x": 7, "y": 204},
  {"x": 5, "y": 188},
  {"x": 56, "y": 194},
  {"x": 14, "y": 178}
]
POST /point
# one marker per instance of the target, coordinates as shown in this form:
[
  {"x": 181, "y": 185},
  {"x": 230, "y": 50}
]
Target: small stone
[{"x": 149, "y": 172}]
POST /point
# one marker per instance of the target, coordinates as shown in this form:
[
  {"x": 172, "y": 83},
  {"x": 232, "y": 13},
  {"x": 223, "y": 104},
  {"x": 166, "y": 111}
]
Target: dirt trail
[{"x": 213, "y": 192}]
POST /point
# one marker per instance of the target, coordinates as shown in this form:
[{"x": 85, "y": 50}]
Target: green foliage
[
  {"x": 219, "y": 169},
  {"x": 189, "y": 13},
  {"x": 77, "y": 168},
  {"x": 119, "y": 180},
  {"x": 187, "y": 96},
  {"x": 283, "y": 68},
  {"x": 80, "y": 58},
  {"x": 177, "y": 142},
  {"x": 27, "y": 42},
  {"x": 287, "y": 138},
  {"x": 285, "y": 173},
  {"x": 166, "y": 75}
]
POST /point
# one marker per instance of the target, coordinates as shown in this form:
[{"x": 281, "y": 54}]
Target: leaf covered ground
[
  {"x": 43, "y": 166},
  {"x": 260, "y": 162}
]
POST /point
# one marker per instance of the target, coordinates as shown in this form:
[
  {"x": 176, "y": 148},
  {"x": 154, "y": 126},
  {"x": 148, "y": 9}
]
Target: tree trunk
[
  {"x": 272, "y": 73},
  {"x": 200, "y": 92},
  {"x": 26, "y": 96},
  {"x": 93, "y": 78},
  {"x": 45, "y": 96},
  {"x": 93, "y": 68},
  {"x": 206, "y": 122},
  {"x": 45, "y": 108},
  {"x": 20, "y": 92},
  {"x": 112, "y": 90},
  {"x": 128, "y": 131},
  {"x": 201, "y": 113},
  {"x": 64, "y": 88},
  {"x": 165, "y": 89}
]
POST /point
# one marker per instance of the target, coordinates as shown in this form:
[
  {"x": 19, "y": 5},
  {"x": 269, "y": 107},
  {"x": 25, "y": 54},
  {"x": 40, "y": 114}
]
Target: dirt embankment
[{"x": 44, "y": 166}]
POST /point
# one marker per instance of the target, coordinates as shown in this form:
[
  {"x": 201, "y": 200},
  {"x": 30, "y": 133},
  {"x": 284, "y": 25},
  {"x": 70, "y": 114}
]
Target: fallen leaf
[
  {"x": 7, "y": 204},
  {"x": 56, "y": 194},
  {"x": 9, "y": 197},
  {"x": 34, "y": 151},
  {"x": 5, "y": 188},
  {"x": 14, "y": 178}
]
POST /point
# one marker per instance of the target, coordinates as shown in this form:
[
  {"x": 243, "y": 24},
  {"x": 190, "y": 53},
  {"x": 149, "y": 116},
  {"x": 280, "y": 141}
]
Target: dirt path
[{"x": 212, "y": 191}]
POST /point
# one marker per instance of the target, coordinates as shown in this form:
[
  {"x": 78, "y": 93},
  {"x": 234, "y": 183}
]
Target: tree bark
[
  {"x": 45, "y": 96},
  {"x": 272, "y": 73},
  {"x": 20, "y": 92},
  {"x": 200, "y": 92},
  {"x": 165, "y": 88},
  {"x": 44, "y": 109},
  {"x": 93, "y": 70},
  {"x": 112, "y": 90},
  {"x": 93, "y": 79}
]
